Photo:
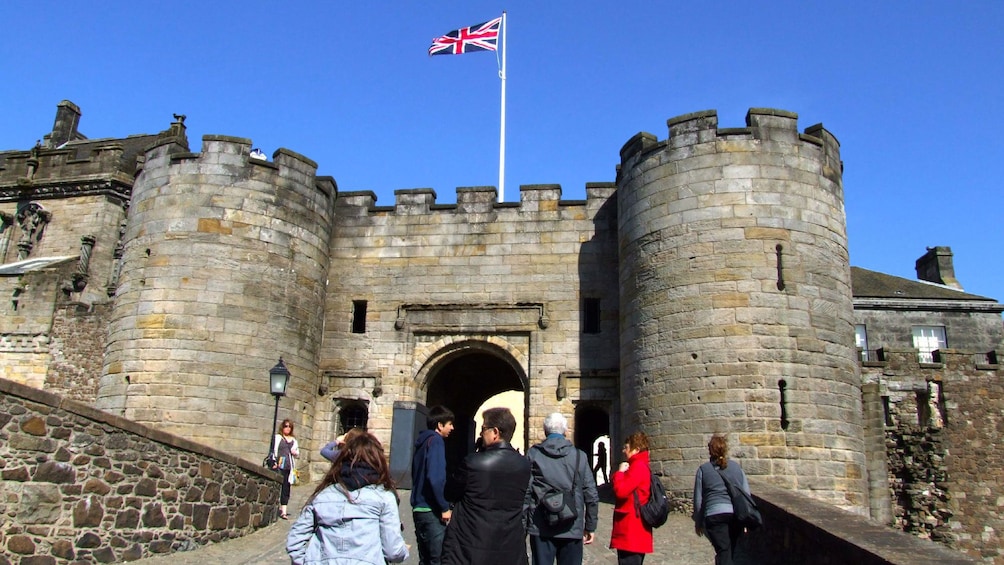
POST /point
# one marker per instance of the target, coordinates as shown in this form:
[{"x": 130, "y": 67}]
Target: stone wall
[
  {"x": 798, "y": 529},
  {"x": 224, "y": 267},
  {"x": 433, "y": 275},
  {"x": 944, "y": 424},
  {"x": 76, "y": 346},
  {"x": 735, "y": 302},
  {"x": 82, "y": 486}
]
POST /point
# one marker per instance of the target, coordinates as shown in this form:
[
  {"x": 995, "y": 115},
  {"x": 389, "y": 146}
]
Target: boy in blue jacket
[{"x": 430, "y": 509}]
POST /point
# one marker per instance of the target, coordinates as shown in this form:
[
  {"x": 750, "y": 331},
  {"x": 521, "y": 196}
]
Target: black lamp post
[{"x": 278, "y": 377}]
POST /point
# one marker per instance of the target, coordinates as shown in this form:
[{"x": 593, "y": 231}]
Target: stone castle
[{"x": 706, "y": 289}]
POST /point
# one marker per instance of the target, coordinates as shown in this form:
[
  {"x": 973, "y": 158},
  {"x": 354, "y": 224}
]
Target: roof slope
[{"x": 872, "y": 284}]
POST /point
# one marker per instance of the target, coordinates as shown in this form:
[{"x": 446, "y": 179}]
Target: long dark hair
[{"x": 363, "y": 450}]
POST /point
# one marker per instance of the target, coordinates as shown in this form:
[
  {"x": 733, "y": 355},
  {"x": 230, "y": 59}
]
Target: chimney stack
[
  {"x": 65, "y": 127},
  {"x": 936, "y": 266}
]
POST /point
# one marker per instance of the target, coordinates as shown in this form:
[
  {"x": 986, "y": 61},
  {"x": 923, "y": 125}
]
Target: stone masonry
[
  {"x": 81, "y": 486},
  {"x": 706, "y": 289},
  {"x": 736, "y": 304}
]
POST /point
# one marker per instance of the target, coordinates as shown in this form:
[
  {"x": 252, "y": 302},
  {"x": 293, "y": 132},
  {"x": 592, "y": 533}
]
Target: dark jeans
[
  {"x": 568, "y": 551},
  {"x": 722, "y": 532},
  {"x": 429, "y": 531},
  {"x": 284, "y": 490},
  {"x": 629, "y": 557}
]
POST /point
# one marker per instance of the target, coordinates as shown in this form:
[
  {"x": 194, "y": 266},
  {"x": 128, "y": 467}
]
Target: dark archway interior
[
  {"x": 462, "y": 383},
  {"x": 592, "y": 422}
]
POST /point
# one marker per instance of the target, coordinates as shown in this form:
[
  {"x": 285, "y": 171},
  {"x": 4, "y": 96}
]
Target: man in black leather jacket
[{"x": 488, "y": 526}]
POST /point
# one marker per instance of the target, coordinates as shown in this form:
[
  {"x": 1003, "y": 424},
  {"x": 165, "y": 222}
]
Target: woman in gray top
[
  {"x": 352, "y": 517},
  {"x": 713, "y": 513}
]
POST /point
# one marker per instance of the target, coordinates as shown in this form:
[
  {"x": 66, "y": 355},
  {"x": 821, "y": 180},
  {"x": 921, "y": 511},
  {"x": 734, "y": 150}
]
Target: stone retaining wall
[
  {"x": 82, "y": 486},
  {"x": 798, "y": 529}
]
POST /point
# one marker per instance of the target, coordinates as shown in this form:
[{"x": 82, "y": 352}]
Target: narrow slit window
[
  {"x": 591, "y": 316},
  {"x": 358, "y": 316},
  {"x": 782, "y": 386},
  {"x": 887, "y": 411}
]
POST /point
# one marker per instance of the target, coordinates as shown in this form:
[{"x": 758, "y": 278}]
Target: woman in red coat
[{"x": 630, "y": 536}]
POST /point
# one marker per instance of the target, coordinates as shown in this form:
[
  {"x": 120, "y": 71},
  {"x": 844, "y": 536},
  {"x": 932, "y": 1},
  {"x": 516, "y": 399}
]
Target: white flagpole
[{"x": 505, "y": 28}]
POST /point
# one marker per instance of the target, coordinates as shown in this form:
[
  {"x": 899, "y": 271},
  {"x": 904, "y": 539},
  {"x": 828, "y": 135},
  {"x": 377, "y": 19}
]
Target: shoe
[{"x": 284, "y": 516}]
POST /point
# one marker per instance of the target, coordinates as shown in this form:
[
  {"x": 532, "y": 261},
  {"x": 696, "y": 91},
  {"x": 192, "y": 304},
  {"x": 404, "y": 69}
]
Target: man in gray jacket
[{"x": 557, "y": 464}]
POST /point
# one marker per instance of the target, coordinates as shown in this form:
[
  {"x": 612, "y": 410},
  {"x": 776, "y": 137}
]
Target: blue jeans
[
  {"x": 568, "y": 551},
  {"x": 429, "y": 531}
]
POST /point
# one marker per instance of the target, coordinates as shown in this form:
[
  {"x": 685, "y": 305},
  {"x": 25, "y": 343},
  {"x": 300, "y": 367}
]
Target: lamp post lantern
[{"x": 278, "y": 377}]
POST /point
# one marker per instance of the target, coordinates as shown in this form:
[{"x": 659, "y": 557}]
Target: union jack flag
[{"x": 480, "y": 37}]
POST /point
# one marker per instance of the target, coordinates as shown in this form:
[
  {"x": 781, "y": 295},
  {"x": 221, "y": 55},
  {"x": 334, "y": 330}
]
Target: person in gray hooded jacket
[
  {"x": 352, "y": 517},
  {"x": 555, "y": 462}
]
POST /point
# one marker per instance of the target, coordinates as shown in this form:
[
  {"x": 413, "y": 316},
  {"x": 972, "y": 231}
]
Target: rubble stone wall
[
  {"x": 944, "y": 425},
  {"x": 83, "y": 486}
]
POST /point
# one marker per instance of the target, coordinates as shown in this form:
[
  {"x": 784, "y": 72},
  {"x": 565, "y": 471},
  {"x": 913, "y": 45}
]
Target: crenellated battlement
[
  {"x": 762, "y": 124},
  {"x": 227, "y": 155},
  {"x": 471, "y": 200}
]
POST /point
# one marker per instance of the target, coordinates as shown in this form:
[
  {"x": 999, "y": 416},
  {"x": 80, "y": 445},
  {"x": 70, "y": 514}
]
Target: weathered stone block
[
  {"x": 18, "y": 474},
  {"x": 88, "y": 540},
  {"x": 40, "y": 504},
  {"x": 33, "y": 425},
  {"x": 219, "y": 518},
  {"x": 63, "y": 549},
  {"x": 153, "y": 516},
  {"x": 145, "y": 487},
  {"x": 55, "y": 472},
  {"x": 200, "y": 516},
  {"x": 20, "y": 544},
  {"x": 128, "y": 518}
]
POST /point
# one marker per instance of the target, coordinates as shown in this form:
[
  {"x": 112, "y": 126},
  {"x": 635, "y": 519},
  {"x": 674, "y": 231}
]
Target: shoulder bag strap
[
  {"x": 575, "y": 474},
  {"x": 730, "y": 487}
]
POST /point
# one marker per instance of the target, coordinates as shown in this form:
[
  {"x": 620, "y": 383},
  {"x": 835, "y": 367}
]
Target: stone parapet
[
  {"x": 799, "y": 529},
  {"x": 82, "y": 486}
]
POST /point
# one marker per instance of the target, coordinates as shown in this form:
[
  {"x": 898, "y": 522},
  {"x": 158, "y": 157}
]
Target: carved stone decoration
[
  {"x": 6, "y": 221},
  {"x": 79, "y": 278},
  {"x": 32, "y": 219},
  {"x": 32, "y": 163},
  {"x": 113, "y": 282}
]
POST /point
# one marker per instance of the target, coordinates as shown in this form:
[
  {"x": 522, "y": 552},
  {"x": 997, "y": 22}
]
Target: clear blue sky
[{"x": 911, "y": 90}]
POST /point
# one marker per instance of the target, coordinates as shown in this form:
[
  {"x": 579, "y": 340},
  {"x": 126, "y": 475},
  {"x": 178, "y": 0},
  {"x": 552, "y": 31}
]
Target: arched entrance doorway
[
  {"x": 592, "y": 427},
  {"x": 463, "y": 379}
]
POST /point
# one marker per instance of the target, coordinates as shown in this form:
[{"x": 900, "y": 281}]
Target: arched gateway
[{"x": 461, "y": 373}]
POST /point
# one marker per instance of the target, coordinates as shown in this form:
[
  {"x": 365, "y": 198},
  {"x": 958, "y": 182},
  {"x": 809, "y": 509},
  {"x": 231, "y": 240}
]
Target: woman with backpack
[
  {"x": 631, "y": 537},
  {"x": 713, "y": 512}
]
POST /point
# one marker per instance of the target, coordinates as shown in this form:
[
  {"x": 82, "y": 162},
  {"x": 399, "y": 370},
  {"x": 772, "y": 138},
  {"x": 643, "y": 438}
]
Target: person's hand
[
  {"x": 445, "y": 516},
  {"x": 698, "y": 530},
  {"x": 624, "y": 467},
  {"x": 588, "y": 538}
]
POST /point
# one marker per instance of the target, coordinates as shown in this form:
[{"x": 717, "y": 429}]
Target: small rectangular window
[
  {"x": 591, "y": 316},
  {"x": 927, "y": 340},
  {"x": 358, "y": 316}
]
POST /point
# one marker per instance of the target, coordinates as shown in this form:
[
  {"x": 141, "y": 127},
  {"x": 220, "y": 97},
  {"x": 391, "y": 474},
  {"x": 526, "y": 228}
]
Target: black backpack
[
  {"x": 559, "y": 505},
  {"x": 655, "y": 512}
]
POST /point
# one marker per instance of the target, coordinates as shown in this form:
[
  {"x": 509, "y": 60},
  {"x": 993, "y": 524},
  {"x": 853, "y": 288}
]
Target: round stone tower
[
  {"x": 223, "y": 272},
  {"x": 736, "y": 303}
]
